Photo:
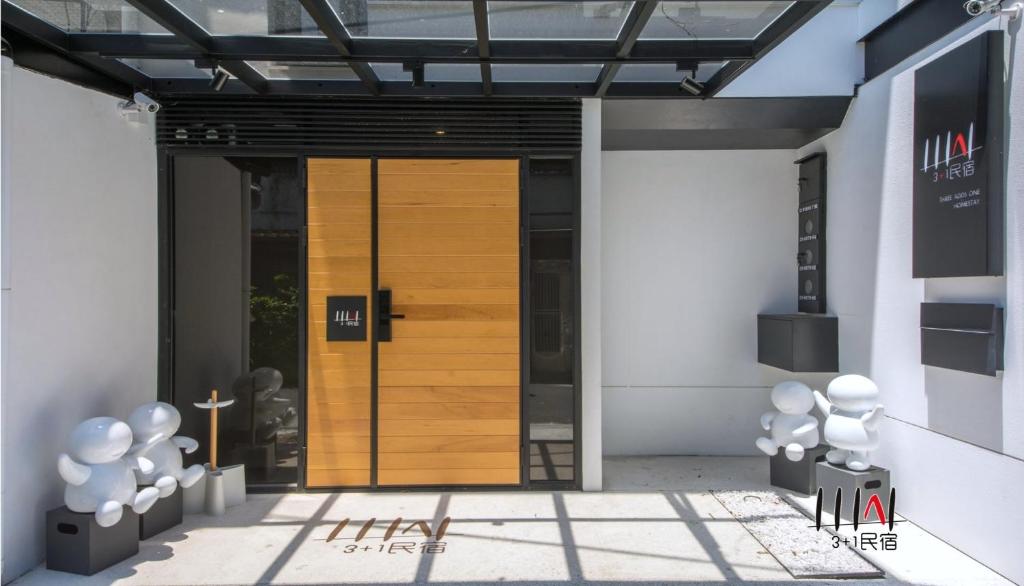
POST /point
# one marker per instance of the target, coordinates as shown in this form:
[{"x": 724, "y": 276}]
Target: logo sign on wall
[
  {"x": 346, "y": 319},
  {"x": 958, "y": 161}
]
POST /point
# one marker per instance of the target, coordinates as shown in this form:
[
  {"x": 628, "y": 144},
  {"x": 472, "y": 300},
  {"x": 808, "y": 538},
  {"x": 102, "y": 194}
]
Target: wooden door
[
  {"x": 448, "y": 395},
  {"x": 339, "y": 262}
]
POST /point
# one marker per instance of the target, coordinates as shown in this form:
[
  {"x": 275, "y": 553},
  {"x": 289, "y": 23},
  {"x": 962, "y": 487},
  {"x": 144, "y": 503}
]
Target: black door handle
[{"x": 384, "y": 315}]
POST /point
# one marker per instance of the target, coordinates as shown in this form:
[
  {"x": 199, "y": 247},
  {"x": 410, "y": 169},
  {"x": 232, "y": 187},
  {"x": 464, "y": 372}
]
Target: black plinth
[
  {"x": 166, "y": 513},
  {"x": 261, "y": 456},
  {"x": 873, "y": 481},
  {"x": 797, "y": 476},
  {"x": 75, "y": 543}
]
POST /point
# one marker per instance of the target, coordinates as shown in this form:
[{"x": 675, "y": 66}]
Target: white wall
[
  {"x": 954, "y": 441},
  {"x": 695, "y": 245},
  {"x": 80, "y": 286}
]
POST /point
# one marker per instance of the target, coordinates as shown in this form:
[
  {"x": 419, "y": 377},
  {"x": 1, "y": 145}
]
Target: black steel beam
[
  {"x": 171, "y": 87},
  {"x": 196, "y": 37},
  {"x": 483, "y": 43},
  {"x": 792, "y": 19},
  {"x": 294, "y": 48},
  {"x": 30, "y": 54},
  {"x": 333, "y": 28},
  {"x": 39, "y": 37},
  {"x": 908, "y": 31},
  {"x": 636, "y": 20}
]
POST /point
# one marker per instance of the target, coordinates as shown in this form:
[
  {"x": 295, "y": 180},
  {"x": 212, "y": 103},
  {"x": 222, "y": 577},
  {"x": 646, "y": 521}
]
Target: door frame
[{"x": 165, "y": 375}]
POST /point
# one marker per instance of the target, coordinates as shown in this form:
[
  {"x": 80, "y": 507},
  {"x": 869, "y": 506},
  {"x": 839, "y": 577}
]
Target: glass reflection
[
  {"x": 712, "y": 20},
  {"x": 556, "y": 20},
  {"x": 94, "y": 16},
  {"x": 551, "y": 393}
]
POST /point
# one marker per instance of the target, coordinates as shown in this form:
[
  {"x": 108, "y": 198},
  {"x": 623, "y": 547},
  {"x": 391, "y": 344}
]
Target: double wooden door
[{"x": 431, "y": 396}]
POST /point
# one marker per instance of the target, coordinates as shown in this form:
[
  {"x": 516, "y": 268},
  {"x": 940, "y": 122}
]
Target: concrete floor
[{"x": 655, "y": 523}]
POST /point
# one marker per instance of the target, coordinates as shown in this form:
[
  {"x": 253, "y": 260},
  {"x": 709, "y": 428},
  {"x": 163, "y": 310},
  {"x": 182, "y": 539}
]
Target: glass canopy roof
[{"x": 509, "y": 47}]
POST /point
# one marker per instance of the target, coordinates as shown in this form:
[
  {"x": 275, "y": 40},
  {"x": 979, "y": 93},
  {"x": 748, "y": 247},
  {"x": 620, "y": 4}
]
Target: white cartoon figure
[
  {"x": 153, "y": 426},
  {"x": 853, "y": 417},
  {"x": 100, "y": 475},
  {"x": 791, "y": 427}
]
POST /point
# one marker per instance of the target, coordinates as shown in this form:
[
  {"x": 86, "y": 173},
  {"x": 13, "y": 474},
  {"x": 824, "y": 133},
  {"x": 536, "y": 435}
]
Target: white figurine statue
[
  {"x": 853, "y": 416},
  {"x": 791, "y": 427},
  {"x": 100, "y": 475},
  {"x": 153, "y": 426}
]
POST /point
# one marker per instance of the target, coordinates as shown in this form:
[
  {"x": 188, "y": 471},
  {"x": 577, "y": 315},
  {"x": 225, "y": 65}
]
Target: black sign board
[
  {"x": 346, "y": 319},
  {"x": 811, "y": 234},
  {"x": 958, "y": 161}
]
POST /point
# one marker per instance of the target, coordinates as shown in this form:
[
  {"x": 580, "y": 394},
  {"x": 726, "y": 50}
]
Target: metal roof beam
[
  {"x": 289, "y": 48},
  {"x": 636, "y": 20},
  {"x": 483, "y": 43},
  {"x": 57, "y": 41},
  {"x": 182, "y": 27},
  {"x": 334, "y": 29}
]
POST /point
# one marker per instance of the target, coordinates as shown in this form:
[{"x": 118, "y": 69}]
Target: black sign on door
[
  {"x": 958, "y": 162},
  {"x": 346, "y": 319}
]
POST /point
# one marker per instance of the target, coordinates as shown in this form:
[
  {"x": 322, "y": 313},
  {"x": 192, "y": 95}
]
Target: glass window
[
  {"x": 168, "y": 68},
  {"x": 552, "y": 392},
  {"x": 237, "y": 226},
  {"x": 712, "y": 20},
  {"x": 563, "y": 72},
  {"x": 452, "y": 72},
  {"x": 662, "y": 72},
  {"x": 249, "y": 17},
  {"x": 91, "y": 16},
  {"x": 556, "y": 20},
  {"x": 431, "y": 72},
  {"x": 407, "y": 19},
  {"x": 393, "y": 72},
  {"x": 321, "y": 70}
]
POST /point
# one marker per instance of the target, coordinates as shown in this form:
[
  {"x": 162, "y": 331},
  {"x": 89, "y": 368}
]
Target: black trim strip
[
  {"x": 375, "y": 344},
  {"x": 908, "y": 31}
]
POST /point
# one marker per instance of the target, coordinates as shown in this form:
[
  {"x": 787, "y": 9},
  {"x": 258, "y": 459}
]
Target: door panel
[
  {"x": 448, "y": 394},
  {"x": 449, "y": 379},
  {"x": 338, "y": 377}
]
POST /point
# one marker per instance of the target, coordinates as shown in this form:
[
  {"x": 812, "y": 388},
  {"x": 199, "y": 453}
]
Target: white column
[
  {"x": 590, "y": 310},
  {"x": 6, "y": 67}
]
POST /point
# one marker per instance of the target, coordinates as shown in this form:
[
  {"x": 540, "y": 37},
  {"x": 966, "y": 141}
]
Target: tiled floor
[{"x": 656, "y": 523}]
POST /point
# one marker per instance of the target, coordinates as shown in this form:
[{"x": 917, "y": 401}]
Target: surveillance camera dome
[
  {"x": 146, "y": 103},
  {"x": 979, "y": 7}
]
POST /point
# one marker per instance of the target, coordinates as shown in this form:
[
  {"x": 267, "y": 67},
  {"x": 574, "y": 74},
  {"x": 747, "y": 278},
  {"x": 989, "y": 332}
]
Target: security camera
[
  {"x": 139, "y": 103},
  {"x": 979, "y": 7},
  {"x": 145, "y": 102}
]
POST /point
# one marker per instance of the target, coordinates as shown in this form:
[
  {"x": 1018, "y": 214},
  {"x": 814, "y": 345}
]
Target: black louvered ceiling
[{"x": 370, "y": 125}]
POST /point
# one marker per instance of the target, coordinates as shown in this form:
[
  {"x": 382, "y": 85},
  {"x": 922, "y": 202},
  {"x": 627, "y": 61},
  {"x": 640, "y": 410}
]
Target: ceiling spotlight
[
  {"x": 440, "y": 132},
  {"x": 689, "y": 84},
  {"x": 220, "y": 77},
  {"x": 417, "y": 69}
]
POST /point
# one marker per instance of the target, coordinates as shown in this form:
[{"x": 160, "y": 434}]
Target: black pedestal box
[
  {"x": 798, "y": 342},
  {"x": 75, "y": 543},
  {"x": 164, "y": 514},
  {"x": 797, "y": 476},
  {"x": 873, "y": 481}
]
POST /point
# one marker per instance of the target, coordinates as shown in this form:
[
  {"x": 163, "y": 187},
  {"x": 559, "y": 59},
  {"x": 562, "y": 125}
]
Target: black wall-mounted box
[
  {"x": 962, "y": 336},
  {"x": 798, "y": 342}
]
